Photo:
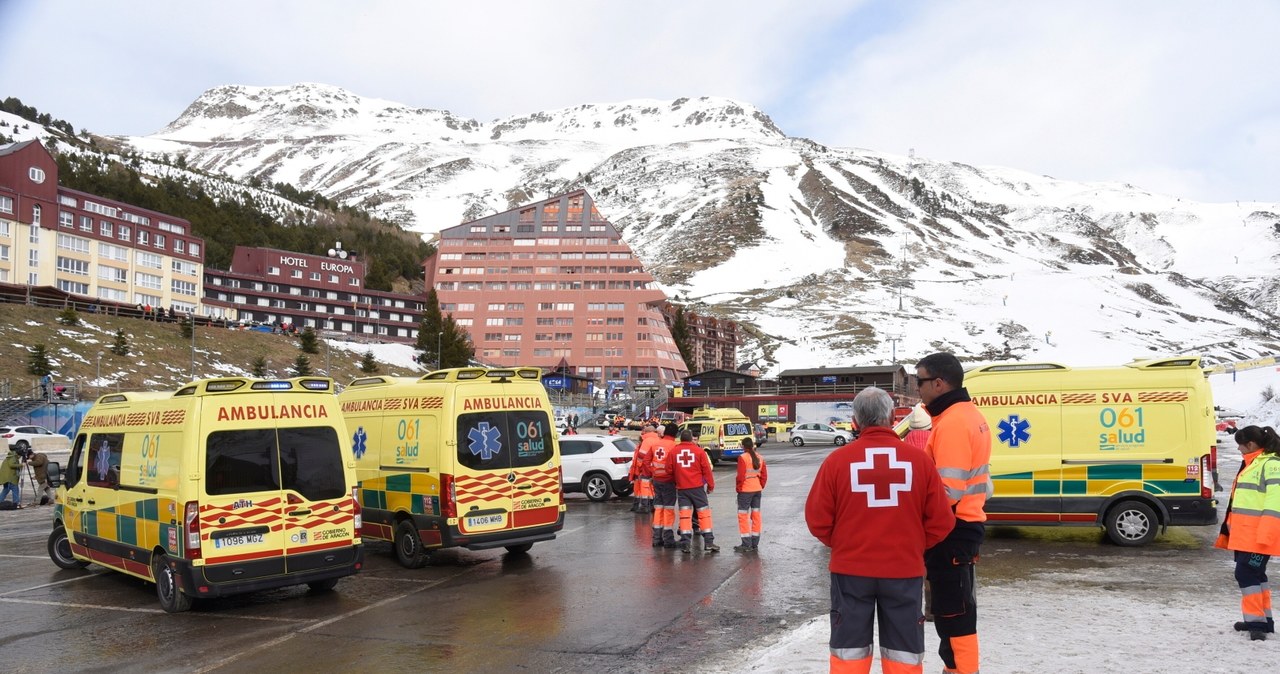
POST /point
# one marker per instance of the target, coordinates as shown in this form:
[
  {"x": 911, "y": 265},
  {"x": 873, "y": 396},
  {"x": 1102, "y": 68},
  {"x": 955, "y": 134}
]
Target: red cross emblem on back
[
  {"x": 685, "y": 457},
  {"x": 881, "y": 476}
]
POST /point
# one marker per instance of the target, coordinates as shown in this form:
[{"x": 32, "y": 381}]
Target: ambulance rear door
[
  {"x": 507, "y": 471},
  {"x": 241, "y": 514}
]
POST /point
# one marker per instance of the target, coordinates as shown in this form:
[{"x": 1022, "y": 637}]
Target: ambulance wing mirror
[{"x": 55, "y": 474}]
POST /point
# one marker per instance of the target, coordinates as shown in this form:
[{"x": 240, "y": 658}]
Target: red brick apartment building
[
  {"x": 553, "y": 281},
  {"x": 713, "y": 341},
  {"x": 89, "y": 245},
  {"x": 272, "y": 286}
]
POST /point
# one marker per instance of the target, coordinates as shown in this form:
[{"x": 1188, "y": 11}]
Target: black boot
[{"x": 1257, "y": 635}]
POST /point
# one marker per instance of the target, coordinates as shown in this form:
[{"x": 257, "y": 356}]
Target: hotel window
[
  {"x": 195, "y": 250},
  {"x": 34, "y": 235},
  {"x": 113, "y": 294},
  {"x": 35, "y": 214},
  {"x": 104, "y": 228},
  {"x": 36, "y": 175},
  {"x": 6, "y": 205},
  {"x": 467, "y": 306},
  {"x": 66, "y": 200},
  {"x": 273, "y": 271},
  {"x": 493, "y": 336},
  {"x": 149, "y": 260},
  {"x": 179, "y": 246},
  {"x": 511, "y": 353},
  {"x": 564, "y": 336},
  {"x": 315, "y": 276},
  {"x": 110, "y": 252},
  {"x": 66, "y": 219},
  {"x": 333, "y": 278},
  {"x": 563, "y": 321},
  {"x": 150, "y": 281},
  {"x": 144, "y": 237},
  {"x": 73, "y": 287},
  {"x": 74, "y": 244},
  {"x": 478, "y": 229},
  {"x": 4, "y": 253},
  {"x": 70, "y": 265},
  {"x": 112, "y": 274},
  {"x": 159, "y": 241},
  {"x": 296, "y": 273},
  {"x": 183, "y": 288},
  {"x": 354, "y": 282},
  {"x": 123, "y": 232}
]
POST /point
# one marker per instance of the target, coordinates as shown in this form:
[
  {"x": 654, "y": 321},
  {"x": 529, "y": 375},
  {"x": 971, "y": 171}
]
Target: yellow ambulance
[
  {"x": 225, "y": 486},
  {"x": 720, "y": 430},
  {"x": 463, "y": 457},
  {"x": 1129, "y": 448}
]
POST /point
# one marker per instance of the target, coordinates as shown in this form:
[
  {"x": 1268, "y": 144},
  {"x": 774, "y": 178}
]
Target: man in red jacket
[
  {"x": 694, "y": 480},
  {"x": 664, "y": 489},
  {"x": 878, "y": 503}
]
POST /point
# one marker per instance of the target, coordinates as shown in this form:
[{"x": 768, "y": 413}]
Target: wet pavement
[{"x": 597, "y": 598}]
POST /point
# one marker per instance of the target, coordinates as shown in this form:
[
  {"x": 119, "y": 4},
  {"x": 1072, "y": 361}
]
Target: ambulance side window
[
  {"x": 104, "y": 459},
  {"x": 311, "y": 462},
  {"x": 238, "y": 462},
  {"x": 75, "y": 465}
]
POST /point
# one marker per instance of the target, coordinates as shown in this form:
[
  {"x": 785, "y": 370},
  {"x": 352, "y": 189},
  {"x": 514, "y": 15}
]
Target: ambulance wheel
[
  {"x": 323, "y": 585},
  {"x": 408, "y": 545},
  {"x": 60, "y": 550},
  {"x": 171, "y": 598},
  {"x": 797, "y": 441},
  {"x": 597, "y": 488},
  {"x": 1131, "y": 523},
  {"x": 519, "y": 549}
]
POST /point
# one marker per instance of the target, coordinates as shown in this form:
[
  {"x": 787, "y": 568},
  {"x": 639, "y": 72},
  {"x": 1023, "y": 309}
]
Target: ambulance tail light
[
  {"x": 191, "y": 531},
  {"x": 355, "y": 508},
  {"x": 1208, "y": 472},
  {"x": 448, "y": 496}
]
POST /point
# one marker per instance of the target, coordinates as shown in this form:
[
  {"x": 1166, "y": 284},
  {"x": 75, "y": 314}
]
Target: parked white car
[
  {"x": 596, "y": 464},
  {"x": 39, "y": 437},
  {"x": 818, "y": 433}
]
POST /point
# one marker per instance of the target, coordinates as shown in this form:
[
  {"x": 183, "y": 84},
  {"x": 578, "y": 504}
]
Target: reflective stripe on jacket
[
  {"x": 1254, "y": 522},
  {"x": 960, "y": 445}
]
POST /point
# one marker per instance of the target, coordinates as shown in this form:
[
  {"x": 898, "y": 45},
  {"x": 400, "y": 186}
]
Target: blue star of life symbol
[
  {"x": 483, "y": 441},
  {"x": 1013, "y": 431},
  {"x": 358, "y": 445}
]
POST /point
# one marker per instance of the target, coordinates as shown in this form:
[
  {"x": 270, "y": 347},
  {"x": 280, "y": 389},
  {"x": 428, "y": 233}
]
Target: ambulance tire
[
  {"x": 408, "y": 546},
  {"x": 323, "y": 585},
  {"x": 519, "y": 549},
  {"x": 597, "y": 487},
  {"x": 60, "y": 550},
  {"x": 1131, "y": 524},
  {"x": 171, "y": 598}
]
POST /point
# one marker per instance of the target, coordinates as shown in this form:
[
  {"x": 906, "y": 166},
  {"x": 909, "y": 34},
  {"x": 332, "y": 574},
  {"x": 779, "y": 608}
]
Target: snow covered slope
[{"x": 828, "y": 255}]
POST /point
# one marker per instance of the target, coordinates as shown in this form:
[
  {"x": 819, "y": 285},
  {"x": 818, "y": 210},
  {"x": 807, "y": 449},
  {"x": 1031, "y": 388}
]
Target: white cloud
[{"x": 1081, "y": 90}]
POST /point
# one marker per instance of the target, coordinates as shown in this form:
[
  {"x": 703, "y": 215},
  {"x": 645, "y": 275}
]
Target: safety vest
[
  {"x": 1255, "y": 508},
  {"x": 661, "y": 468},
  {"x": 751, "y": 476},
  {"x": 960, "y": 446}
]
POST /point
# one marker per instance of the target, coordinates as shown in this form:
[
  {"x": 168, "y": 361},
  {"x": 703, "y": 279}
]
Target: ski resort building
[{"x": 551, "y": 284}]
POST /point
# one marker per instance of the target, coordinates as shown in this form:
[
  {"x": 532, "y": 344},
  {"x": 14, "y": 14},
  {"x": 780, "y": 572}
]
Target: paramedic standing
[
  {"x": 878, "y": 503},
  {"x": 752, "y": 476},
  {"x": 691, "y": 467},
  {"x": 960, "y": 446},
  {"x": 1253, "y": 518},
  {"x": 640, "y": 470},
  {"x": 664, "y": 490}
]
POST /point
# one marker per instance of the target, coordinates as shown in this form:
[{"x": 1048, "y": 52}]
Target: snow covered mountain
[{"x": 827, "y": 255}]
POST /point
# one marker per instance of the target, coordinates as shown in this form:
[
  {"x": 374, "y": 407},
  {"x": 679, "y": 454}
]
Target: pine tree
[
  {"x": 680, "y": 335},
  {"x": 38, "y": 364},
  {"x": 301, "y": 366},
  {"x": 367, "y": 364},
  {"x": 188, "y": 327},
  {"x": 455, "y": 345},
  {"x": 68, "y": 316},
  {"x": 121, "y": 346},
  {"x": 308, "y": 341},
  {"x": 259, "y": 367},
  {"x": 429, "y": 331}
]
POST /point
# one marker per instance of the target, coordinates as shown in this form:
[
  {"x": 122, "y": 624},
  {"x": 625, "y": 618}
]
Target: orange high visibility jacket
[
  {"x": 960, "y": 446},
  {"x": 1224, "y": 532},
  {"x": 1254, "y": 522},
  {"x": 751, "y": 479},
  {"x": 660, "y": 466},
  {"x": 644, "y": 454}
]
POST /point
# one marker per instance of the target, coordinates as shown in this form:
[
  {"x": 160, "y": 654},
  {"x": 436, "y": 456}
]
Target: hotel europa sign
[{"x": 324, "y": 265}]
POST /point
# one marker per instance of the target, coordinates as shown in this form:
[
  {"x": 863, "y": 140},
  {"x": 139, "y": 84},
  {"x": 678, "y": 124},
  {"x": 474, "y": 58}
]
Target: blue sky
[{"x": 1175, "y": 96}]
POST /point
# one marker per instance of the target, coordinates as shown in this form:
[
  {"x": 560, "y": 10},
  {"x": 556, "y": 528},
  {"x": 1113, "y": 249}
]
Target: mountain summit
[{"x": 826, "y": 255}]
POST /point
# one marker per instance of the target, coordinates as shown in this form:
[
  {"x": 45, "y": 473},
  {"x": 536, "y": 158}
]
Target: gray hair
[{"x": 872, "y": 407}]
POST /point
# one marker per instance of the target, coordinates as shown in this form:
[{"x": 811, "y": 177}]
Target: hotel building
[
  {"x": 88, "y": 245},
  {"x": 553, "y": 283},
  {"x": 272, "y": 286}
]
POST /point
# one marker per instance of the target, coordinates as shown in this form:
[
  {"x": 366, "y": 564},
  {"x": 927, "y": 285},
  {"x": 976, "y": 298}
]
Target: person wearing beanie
[{"x": 920, "y": 427}]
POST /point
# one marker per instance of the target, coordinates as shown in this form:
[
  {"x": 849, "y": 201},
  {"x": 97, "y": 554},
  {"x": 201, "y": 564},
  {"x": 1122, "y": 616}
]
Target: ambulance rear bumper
[
  {"x": 502, "y": 539},
  {"x": 220, "y": 580},
  {"x": 1191, "y": 511}
]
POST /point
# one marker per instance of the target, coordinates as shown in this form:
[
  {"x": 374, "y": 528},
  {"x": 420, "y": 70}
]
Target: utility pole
[
  {"x": 894, "y": 339},
  {"x": 439, "y": 355}
]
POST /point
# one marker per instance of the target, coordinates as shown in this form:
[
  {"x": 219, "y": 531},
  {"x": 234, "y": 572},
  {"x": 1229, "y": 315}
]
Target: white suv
[
  {"x": 25, "y": 437},
  {"x": 596, "y": 464}
]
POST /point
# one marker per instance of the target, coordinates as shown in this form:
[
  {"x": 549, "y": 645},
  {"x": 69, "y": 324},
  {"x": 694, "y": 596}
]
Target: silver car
[{"x": 817, "y": 433}]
